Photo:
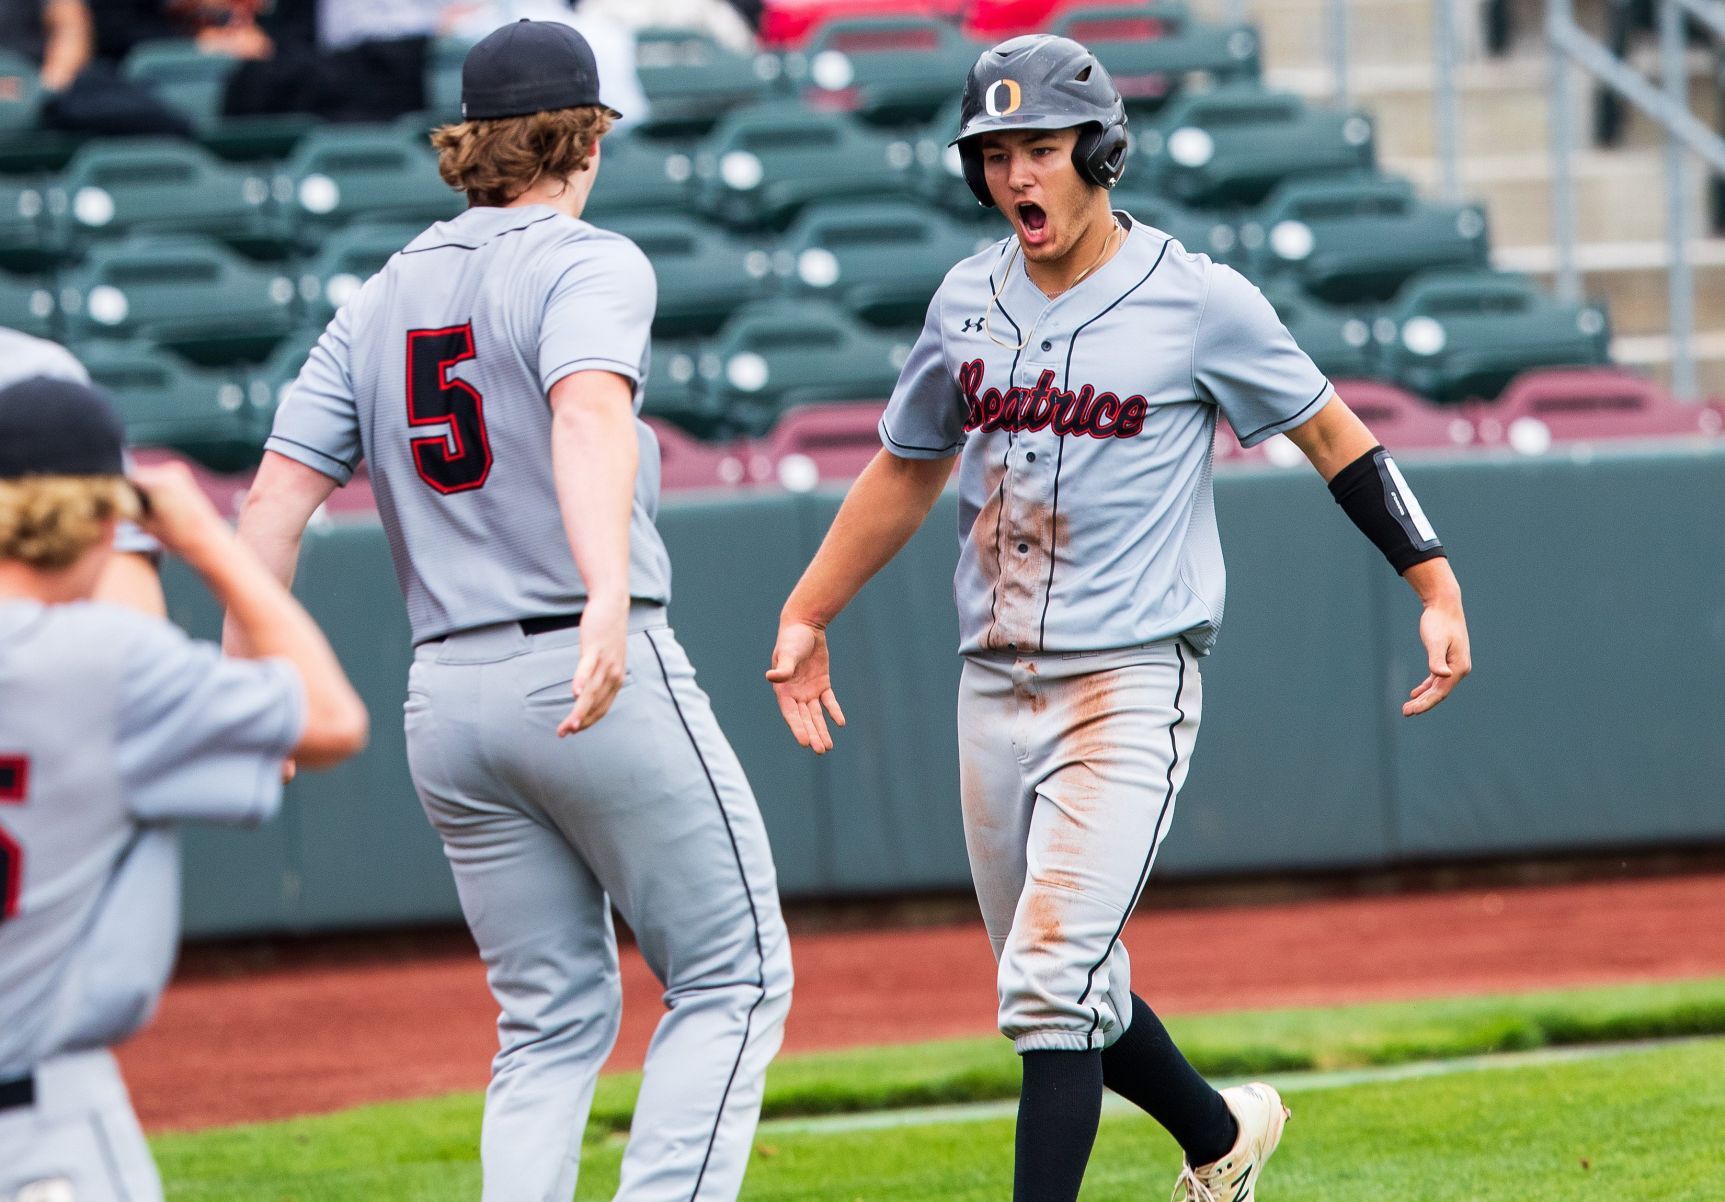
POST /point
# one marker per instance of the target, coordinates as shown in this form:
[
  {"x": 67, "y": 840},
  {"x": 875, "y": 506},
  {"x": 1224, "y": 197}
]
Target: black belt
[
  {"x": 546, "y": 625},
  {"x": 20, "y": 1091}
]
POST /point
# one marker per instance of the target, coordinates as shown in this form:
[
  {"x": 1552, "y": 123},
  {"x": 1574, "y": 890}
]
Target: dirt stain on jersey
[{"x": 985, "y": 535}]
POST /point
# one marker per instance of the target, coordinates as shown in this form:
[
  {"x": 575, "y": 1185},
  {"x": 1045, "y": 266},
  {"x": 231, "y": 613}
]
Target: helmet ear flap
[
  {"x": 970, "y": 156},
  {"x": 1100, "y": 154}
]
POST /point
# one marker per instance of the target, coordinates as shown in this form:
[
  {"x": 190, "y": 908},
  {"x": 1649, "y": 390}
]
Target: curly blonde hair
[
  {"x": 49, "y": 522},
  {"x": 496, "y": 161}
]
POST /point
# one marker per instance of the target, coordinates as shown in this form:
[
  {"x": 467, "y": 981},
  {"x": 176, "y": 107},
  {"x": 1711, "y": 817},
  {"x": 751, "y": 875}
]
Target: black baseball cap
[
  {"x": 529, "y": 67},
  {"x": 56, "y": 427}
]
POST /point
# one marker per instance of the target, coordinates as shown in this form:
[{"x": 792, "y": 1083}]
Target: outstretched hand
[
  {"x": 1443, "y": 630},
  {"x": 803, "y": 685}
]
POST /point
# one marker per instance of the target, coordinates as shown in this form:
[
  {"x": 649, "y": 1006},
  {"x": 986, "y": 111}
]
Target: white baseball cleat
[{"x": 1258, "y": 1110}]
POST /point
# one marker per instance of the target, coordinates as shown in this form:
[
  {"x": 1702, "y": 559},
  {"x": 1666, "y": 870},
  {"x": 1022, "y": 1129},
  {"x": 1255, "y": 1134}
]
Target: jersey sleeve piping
[
  {"x": 629, "y": 371},
  {"x": 916, "y": 452},
  {"x": 336, "y": 469},
  {"x": 1288, "y": 423}
]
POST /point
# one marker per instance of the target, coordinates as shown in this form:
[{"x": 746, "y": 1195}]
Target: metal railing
[{"x": 1666, "y": 104}]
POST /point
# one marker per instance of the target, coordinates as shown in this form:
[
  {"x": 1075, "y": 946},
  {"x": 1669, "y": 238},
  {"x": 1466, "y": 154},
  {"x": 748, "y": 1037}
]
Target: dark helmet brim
[{"x": 1020, "y": 120}]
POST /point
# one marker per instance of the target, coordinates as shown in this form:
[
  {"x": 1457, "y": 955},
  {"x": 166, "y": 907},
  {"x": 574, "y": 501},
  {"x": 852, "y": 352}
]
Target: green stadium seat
[
  {"x": 691, "y": 80},
  {"x": 641, "y": 175},
  {"x": 347, "y": 259},
  {"x": 1152, "y": 50},
  {"x": 1234, "y": 144},
  {"x": 760, "y": 165},
  {"x": 115, "y": 187},
  {"x": 168, "y": 402},
  {"x": 937, "y": 174},
  {"x": 1201, "y": 233},
  {"x": 183, "y": 76},
  {"x": 777, "y": 354},
  {"x": 188, "y": 294},
  {"x": 880, "y": 260},
  {"x": 1454, "y": 335},
  {"x": 1352, "y": 239},
  {"x": 24, "y": 144},
  {"x": 678, "y": 389},
  {"x": 703, "y": 273},
  {"x": 886, "y": 69},
  {"x": 186, "y": 78},
  {"x": 1338, "y": 340},
  {"x": 23, "y": 226},
  {"x": 28, "y": 304},
  {"x": 443, "y": 79},
  {"x": 267, "y": 383},
  {"x": 340, "y": 173}
]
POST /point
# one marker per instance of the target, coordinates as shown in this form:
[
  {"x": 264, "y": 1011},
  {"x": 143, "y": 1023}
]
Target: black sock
[
  {"x": 1059, "y": 1106},
  {"x": 1146, "y": 1069}
]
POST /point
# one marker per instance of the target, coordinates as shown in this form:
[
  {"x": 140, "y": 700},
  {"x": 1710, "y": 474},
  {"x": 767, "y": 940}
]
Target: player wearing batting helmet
[
  {"x": 490, "y": 375},
  {"x": 114, "y": 727},
  {"x": 1074, "y": 372}
]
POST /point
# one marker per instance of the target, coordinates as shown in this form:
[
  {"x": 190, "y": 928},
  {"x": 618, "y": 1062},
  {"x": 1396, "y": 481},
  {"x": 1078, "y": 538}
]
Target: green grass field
[{"x": 1642, "y": 1123}]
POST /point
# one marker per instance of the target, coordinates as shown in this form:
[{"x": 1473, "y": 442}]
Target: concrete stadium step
[
  {"x": 1504, "y": 104},
  {"x": 1631, "y": 277},
  {"x": 1296, "y": 33},
  {"x": 1651, "y": 353},
  {"x": 1619, "y": 195}
]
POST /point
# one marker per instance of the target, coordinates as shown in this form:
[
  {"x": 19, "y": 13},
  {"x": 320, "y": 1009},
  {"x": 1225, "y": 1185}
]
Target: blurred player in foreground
[
  {"x": 1074, "y": 372},
  {"x": 113, "y": 727}
]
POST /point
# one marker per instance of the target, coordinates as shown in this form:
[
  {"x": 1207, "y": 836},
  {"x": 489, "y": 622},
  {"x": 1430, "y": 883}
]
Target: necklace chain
[{"x": 994, "y": 301}]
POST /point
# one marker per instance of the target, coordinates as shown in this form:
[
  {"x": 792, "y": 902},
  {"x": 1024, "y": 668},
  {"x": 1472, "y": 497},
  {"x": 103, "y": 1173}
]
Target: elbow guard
[{"x": 1373, "y": 493}]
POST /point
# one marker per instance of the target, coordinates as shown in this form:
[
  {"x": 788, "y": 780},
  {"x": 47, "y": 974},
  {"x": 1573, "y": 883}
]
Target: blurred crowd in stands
[{"x": 340, "y": 60}]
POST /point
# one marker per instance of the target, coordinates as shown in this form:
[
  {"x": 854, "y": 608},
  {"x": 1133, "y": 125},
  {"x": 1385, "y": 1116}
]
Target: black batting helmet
[{"x": 1044, "y": 82}]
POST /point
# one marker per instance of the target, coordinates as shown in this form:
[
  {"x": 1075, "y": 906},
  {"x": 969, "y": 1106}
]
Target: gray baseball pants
[
  {"x": 648, "y": 810},
  {"x": 1069, "y": 766},
  {"x": 80, "y": 1140}
]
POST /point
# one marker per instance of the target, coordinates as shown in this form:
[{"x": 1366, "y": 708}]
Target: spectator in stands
[
  {"x": 83, "y": 94},
  {"x": 718, "y": 18}
]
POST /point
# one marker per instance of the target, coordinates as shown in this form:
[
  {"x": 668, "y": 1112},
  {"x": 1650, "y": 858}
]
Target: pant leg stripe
[
  {"x": 754, "y": 916},
  {"x": 1155, "y": 843}
]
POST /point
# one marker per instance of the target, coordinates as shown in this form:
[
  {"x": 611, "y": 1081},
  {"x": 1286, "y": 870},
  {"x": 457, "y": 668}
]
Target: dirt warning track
[{"x": 266, "y": 1034}]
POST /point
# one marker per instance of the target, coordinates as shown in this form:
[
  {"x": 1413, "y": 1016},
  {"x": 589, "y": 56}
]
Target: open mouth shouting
[{"x": 1032, "y": 223}]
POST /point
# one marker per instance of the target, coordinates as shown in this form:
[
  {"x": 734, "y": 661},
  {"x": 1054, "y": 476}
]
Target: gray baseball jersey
[
  {"x": 131, "y": 727},
  {"x": 648, "y": 810},
  {"x": 130, "y": 724},
  {"x": 23, "y": 356},
  {"x": 437, "y": 374},
  {"x": 1085, "y": 511}
]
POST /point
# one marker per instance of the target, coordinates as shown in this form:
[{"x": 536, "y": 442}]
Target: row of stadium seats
[
  {"x": 886, "y": 69},
  {"x": 1451, "y": 336},
  {"x": 756, "y": 169},
  {"x": 1542, "y": 412}
]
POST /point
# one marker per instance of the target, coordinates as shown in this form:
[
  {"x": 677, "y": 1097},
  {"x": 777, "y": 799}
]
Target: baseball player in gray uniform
[
  {"x": 490, "y": 375},
  {"x": 129, "y": 728},
  {"x": 1075, "y": 372}
]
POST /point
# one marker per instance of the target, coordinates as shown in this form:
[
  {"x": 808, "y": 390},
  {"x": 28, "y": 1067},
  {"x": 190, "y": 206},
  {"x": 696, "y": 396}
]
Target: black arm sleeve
[{"x": 1373, "y": 493}]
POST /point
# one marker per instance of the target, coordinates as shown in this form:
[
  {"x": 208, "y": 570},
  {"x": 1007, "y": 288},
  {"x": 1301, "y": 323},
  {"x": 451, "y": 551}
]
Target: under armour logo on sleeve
[{"x": 973, "y": 325}]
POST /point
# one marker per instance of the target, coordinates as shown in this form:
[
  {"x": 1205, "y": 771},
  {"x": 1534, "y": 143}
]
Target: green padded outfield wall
[{"x": 1596, "y": 597}]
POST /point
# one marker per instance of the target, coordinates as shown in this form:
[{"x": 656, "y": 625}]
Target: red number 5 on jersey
[
  {"x": 14, "y": 782},
  {"x": 460, "y": 458}
]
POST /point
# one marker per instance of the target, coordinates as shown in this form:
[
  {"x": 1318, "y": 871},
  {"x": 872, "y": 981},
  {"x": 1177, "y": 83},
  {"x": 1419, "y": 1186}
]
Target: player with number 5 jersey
[{"x": 490, "y": 376}]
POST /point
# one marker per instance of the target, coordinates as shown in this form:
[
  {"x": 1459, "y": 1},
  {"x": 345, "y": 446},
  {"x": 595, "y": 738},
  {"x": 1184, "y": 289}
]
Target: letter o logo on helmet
[{"x": 992, "y": 98}]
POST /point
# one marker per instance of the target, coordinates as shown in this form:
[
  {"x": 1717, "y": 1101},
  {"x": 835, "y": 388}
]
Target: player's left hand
[
  {"x": 1443, "y": 630},
  {"x": 604, "y": 662},
  {"x": 802, "y": 681}
]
